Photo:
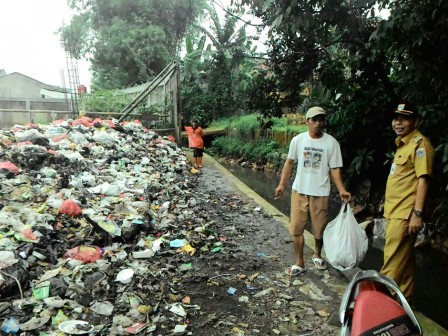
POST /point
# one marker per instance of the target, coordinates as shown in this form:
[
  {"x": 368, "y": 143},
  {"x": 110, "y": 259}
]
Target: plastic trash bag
[
  {"x": 78, "y": 138},
  {"x": 54, "y": 200},
  {"x": 7, "y": 166},
  {"x": 106, "y": 189},
  {"x": 84, "y": 253},
  {"x": 76, "y": 182},
  {"x": 424, "y": 236},
  {"x": 48, "y": 172},
  {"x": 69, "y": 207},
  {"x": 55, "y": 131},
  {"x": 345, "y": 243},
  {"x": 105, "y": 138},
  {"x": 10, "y": 326},
  {"x": 379, "y": 228}
]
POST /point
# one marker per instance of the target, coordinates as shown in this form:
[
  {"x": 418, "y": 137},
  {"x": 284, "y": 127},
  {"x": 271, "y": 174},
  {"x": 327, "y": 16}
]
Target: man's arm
[
  {"x": 422, "y": 191},
  {"x": 336, "y": 176},
  {"x": 286, "y": 174}
]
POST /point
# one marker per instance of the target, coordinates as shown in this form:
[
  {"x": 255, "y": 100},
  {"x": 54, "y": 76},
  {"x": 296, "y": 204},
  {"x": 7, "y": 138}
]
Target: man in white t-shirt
[{"x": 318, "y": 158}]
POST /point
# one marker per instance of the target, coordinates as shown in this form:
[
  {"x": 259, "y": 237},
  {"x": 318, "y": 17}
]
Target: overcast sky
[{"x": 28, "y": 43}]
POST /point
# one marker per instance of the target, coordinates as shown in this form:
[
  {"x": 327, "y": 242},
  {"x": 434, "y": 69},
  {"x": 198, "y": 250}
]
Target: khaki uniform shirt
[{"x": 412, "y": 160}]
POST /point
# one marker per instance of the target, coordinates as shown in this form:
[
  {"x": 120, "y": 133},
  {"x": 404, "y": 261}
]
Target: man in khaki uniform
[{"x": 406, "y": 191}]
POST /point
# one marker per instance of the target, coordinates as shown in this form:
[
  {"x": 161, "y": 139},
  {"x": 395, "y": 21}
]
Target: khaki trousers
[
  {"x": 399, "y": 258},
  {"x": 304, "y": 207}
]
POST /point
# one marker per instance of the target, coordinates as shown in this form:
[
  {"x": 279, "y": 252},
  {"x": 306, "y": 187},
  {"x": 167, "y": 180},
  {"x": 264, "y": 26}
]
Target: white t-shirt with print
[{"x": 314, "y": 159}]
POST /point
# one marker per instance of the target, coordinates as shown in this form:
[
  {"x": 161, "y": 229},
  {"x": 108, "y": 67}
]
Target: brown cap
[{"x": 314, "y": 111}]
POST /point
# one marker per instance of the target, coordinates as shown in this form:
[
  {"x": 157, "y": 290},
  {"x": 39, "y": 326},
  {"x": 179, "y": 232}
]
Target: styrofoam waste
[
  {"x": 143, "y": 254},
  {"x": 125, "y": 276}
]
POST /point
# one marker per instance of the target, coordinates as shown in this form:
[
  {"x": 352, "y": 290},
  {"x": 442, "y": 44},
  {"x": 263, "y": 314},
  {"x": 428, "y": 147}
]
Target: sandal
[
  {"x": 319, "y": 263},
  {"x": 295, "y": 270}
]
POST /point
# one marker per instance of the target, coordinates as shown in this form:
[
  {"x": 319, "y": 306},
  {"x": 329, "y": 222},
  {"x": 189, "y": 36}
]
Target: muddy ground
[
  {"x": 259, "y": 243},
  {"x": 202, "y": 254},
  {"x": 256, "y": 249},
  {"x": 83, "y": 203}
]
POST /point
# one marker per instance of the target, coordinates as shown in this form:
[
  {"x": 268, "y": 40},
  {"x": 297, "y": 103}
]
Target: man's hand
[
  {"x": 415, "y": 224},
  {"x": 345, "y": 196},
  {"x": 279, "y": 191}
]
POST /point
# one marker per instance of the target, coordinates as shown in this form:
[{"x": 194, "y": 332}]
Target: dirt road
[{"x": 256, "y": 249}]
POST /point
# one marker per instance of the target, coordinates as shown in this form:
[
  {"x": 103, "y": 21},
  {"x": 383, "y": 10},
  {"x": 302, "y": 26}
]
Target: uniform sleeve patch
[{"x": 420, "y": 152}]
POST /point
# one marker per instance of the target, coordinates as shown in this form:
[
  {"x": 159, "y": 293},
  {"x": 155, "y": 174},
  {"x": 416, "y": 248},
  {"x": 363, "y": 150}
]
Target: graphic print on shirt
[{"x": 312, "y": 159}]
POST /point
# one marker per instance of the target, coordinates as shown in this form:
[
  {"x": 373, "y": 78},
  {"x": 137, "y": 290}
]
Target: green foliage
[
  {"x": 277, "y": 159},
  {"x": 285, "y": 124},
  {"x": 105, "y": 101},
  {"x": 126, "y": 57},
  {"x": 364, "y": 65},
  {"x": 220, "y": 123},
  {"x": 441, "y": 164},
  {"x": 254, "y": 152},
  {"x": 362, "y": 161},
  {"x": 128, "y": 42},
  {"x": 226, "y": 146},
  {"x": 266, "y": 95},
  {"x": 216, "y": 76},
  {"x": 196, "y": 104},
  {"x": 260, "y": 152},
  {"x": 245, "y": 125},
  {"x": 248, "y": 124},
  {"x": 165, "y": 107},
  {"x": 319, "y": 56}
]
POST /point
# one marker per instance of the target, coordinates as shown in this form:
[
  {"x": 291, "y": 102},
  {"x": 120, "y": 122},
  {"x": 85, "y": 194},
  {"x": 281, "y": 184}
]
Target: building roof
[
  {"x": 2, "y": 72},
  {"x": 47, "y": 86}
]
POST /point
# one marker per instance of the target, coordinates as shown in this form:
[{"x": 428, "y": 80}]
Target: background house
[
  {"x": 18, "y": 91},
  {"x": 24, "y": 99}
]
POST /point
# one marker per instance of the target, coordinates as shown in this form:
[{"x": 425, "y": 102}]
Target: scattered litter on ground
[{"x": 106, "y": 229}]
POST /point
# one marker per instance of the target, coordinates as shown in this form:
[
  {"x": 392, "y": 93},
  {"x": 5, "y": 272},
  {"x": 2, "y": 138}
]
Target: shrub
[
  {"x": 106, "y": 101},
  {"x": 254, "y": 152}
]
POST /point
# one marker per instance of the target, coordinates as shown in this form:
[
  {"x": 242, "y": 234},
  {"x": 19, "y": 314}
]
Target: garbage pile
[{"x": 91, "y": 213}]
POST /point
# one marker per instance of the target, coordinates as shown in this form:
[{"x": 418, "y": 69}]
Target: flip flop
[
  {"x": 319, "y": 263},
  {"x": 295, "y": 270}
]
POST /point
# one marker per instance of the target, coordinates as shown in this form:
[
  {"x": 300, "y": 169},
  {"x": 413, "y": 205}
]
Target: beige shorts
[{"x": 304, "y": 207}]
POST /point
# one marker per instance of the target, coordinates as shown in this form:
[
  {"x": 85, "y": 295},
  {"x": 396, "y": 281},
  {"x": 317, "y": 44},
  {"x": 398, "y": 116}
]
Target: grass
[
  {"x": 240, "y": 143},
  {"x": 248, "y": 123},
  {"x": 284, "y": 124}
]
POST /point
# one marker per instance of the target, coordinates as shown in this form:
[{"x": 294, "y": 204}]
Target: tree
[
  {"x": 128, "y": 42},
  {"x": 196, "y": 101},
  {"x": 415, "y": 37},
  {"x": 223, "y": 67},
  {"x": 365, "y": 64}
]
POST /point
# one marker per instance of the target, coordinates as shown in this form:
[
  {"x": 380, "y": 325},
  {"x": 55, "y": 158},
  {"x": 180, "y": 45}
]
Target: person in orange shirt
[
  {"x": 196, "y": 142},
  {"x": 406, "y": 192}
]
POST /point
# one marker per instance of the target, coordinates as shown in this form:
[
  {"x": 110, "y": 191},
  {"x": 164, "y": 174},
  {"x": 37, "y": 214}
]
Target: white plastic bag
[
  {"x": 379, "y": 228},
  {"x": 345, "y": 243}
]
